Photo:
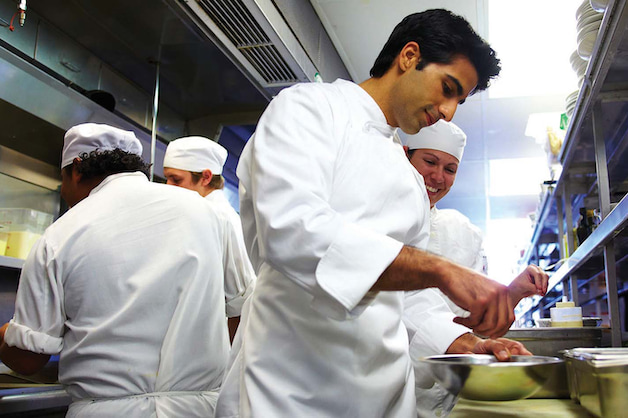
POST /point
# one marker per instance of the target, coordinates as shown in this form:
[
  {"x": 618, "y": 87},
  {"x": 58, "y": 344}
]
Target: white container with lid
[{"x": 566, "y": 314}]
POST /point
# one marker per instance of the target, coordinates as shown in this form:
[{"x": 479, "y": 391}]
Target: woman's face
[{"x": 438, "y": 168}]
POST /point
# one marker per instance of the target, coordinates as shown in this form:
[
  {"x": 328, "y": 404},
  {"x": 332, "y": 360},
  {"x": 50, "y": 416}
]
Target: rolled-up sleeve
[
  {"x": 38, "y": 322},
  {"x": 287, "y": 179}
]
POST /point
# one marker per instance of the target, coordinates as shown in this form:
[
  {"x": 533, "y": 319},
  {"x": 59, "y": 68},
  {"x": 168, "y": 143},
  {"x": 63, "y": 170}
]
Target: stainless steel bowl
[{"x": 481, "y": 377}]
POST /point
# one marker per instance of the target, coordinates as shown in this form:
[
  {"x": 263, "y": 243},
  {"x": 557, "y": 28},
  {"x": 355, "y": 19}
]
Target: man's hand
[
  {"x": 488, "y": 302},
  {"x": 532, "y": 281},
  {"x": 21, "y": 361},
  {"x": 501, "y": 348}
]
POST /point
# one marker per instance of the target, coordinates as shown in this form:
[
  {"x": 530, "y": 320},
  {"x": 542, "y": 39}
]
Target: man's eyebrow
[{"x": 457, "y": 83}]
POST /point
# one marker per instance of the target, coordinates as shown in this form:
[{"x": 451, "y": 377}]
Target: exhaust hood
[{"x": 256, "y": 36}]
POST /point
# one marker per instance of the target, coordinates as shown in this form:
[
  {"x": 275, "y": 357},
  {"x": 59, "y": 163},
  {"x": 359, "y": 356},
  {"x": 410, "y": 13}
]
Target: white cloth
[
  {"x": 88, "y": 137},
  {"x": 321, "y": 227},
  {"x": 219, "y": 202},
  {"x": 442, "y": 136},
  {"x": 130, "y": 286},
  {"x": 195, "y": 153},
  {"x": 452, "y": 236}
]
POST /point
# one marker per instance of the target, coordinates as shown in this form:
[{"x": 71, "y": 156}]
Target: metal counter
[
  {"x": 524, "y": 408},
  {"x": 35, "y": 401}
]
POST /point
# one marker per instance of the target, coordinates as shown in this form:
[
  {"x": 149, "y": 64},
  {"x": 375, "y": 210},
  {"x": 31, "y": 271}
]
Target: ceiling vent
[{"x": 258, "y": 38}]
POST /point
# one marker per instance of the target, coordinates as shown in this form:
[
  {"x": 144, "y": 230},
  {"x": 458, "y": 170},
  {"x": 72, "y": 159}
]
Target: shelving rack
[{"x": 594, "y": 159}]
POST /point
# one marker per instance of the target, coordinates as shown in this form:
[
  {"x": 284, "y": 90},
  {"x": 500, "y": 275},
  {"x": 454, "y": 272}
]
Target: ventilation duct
[{"x": 257, "y": 37}]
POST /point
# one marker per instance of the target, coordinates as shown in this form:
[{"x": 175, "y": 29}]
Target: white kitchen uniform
[
  {"x": 130, "y": 286},
  {"x": 452, "y": 236},
  {"x": 327, "y": 200},
  {"x": 221, "y": 205}
]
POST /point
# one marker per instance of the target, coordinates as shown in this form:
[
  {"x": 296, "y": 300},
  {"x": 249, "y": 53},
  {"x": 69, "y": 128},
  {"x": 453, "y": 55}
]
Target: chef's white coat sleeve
[
  {"x": 38, "y": 322},
  {"x": 429, "y": 322},
  {"x": 239, "y": 276},
  {"x": 288, "y": 174}
]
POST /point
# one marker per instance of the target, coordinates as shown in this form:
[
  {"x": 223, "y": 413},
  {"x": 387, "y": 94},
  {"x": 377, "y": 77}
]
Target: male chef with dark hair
[
  {"x": 128, "y": 287},
  {"x": 196, "y": 163}
]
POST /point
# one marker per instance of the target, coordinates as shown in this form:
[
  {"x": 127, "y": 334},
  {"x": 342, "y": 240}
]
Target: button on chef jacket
[
  {"x": 130, "y": 287},
  {"x": 454, "y": 237},
  {"x": 327, "y": 200}
]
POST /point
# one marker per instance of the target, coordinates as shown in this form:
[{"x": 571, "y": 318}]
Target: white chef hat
[
  {"x": 88, "y": 137},
  {"x": 442, "y": 136},
  {"x": 195, "y": 153}
]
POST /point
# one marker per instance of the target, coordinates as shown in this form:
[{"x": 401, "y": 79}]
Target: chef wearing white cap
[
  {"x": 127, "y": 286},
  {"x": 436, "y": 152},
  {"x": 196, "y": 163}
]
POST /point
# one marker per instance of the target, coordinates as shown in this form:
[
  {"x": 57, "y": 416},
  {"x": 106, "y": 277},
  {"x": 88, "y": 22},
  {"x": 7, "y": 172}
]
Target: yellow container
[
  {"x": 4, "y": 237},
  {"x": 23, "y": 226},
  {"x": 20, "y": 243}
]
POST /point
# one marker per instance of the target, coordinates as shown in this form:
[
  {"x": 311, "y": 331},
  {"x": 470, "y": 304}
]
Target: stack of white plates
[
  {"x": 588, "y": 23},
  {"x": 570, "y": 102},
  {"x": 579, "y": 65}
]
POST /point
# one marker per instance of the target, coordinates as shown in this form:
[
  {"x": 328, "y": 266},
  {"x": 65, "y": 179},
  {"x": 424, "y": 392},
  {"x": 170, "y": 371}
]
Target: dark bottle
[{"x": 584, "y": 228}]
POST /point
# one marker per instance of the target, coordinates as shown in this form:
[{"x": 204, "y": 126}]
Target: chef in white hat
[
  {"x": 196, "y": 163},
  {"x": 435, "y": 152},
  {"x": 129, "y": 286}
]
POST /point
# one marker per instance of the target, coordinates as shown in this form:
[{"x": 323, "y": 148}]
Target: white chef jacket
[
  {"x": 452, "y": 236},
  {"x": 221, "y": 205},
  {"x": 129, "y": 286},
  {"x": 327, "y": 200}
]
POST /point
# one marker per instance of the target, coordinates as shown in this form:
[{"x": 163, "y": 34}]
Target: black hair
[
  {"x": 99, "y": 163},
  {"x": 441, "y": 36}
]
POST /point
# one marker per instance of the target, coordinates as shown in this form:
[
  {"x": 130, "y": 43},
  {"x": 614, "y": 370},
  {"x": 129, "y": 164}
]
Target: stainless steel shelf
[
  {"x": 606, "y": 231},
  {"x": 11, "y": 262}
]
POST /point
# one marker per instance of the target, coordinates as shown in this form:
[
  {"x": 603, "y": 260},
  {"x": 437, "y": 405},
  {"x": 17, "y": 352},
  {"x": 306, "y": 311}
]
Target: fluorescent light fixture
[
  {"x": 517, "y": 176},
  {"x": 533, "y": 39}
]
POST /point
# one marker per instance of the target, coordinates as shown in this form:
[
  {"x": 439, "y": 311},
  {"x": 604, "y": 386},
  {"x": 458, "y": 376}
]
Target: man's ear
[
  {"x": 206, "y": 177},
  {"x": 76, "y": 175},
  {"x": 409, "y": 56}
]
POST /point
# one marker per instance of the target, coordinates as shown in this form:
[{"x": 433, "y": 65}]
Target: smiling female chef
[{"x": 435, "y": 152}]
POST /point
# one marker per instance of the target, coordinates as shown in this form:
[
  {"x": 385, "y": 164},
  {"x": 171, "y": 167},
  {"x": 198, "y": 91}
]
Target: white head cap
[
  {"x": 442, "y": 136},
  {"x": 89, "y": 137},
  {"x": 195, "y": 153}
]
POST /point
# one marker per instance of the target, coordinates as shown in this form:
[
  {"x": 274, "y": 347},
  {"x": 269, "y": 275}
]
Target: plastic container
[
  {"x": 24, "y": 227},
  {"x": 4, "y": 237},
  {"x": 566, "y": 315}
]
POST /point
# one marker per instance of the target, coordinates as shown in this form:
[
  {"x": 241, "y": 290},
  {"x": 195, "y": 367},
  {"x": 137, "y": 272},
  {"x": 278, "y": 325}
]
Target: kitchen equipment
[
  {"x": 598, "y": 379},
  {"x": 24, "y": 226},
  {"x": 550, "y": 341},
  {"x": 566, "y": 315},
  {"x": 482, "y": 377}
]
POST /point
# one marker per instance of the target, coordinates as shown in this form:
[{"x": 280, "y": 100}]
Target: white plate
[
  {"x": 588, "y": 20},
  {"x": 598, "y": 5},
  {"x": 583, "y": 8},
  {"x": 587, "y": 30},
  {"x": 586, "y": 43}
]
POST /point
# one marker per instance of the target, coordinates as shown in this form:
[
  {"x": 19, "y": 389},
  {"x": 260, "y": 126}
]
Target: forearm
[
  {"x": 22, "y": 361},
  {"x": 414, "y": 269}
]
